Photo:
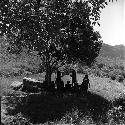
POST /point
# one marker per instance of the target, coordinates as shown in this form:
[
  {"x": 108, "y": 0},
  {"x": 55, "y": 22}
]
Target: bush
[
  {"x": 73, "y": 118},
  {"x": 113, "y": 74},
  {"x": 18, "y": 119},
  {"x": 123, "y": 74},
  {"x": 116, "y": 115},
  {"x": 117, "y": 75},
  {"x": 100, "y": 65},
  {"x": 120, "y": 79},
  {"x": 113, "y": 77}
]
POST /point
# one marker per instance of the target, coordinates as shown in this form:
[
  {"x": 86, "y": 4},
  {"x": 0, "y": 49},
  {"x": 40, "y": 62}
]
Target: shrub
[
  {"x": 120, "y": 79},
  {"x": 116, "y": 115},
  {"x": 113, "y": 77},
  {"x": 100, "y": 65},
  {"x": 123, "y": 74},
  {"x": 18, "y": 119},
  {"x": 113, "y": 74},
  {"x": 74, "y": 118}
]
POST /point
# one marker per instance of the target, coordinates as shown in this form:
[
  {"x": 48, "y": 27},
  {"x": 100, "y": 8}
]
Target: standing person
[
  {"x": 52, "y": 88},
  {"x": 68, "y": 87},
  {"x": 58, "y": 79},
  {"x": 73, "y": 75},
  {"x": 59, "y": 84},
  {"x": 76, "y": 89},
  {"x": 85, "y": 84}
]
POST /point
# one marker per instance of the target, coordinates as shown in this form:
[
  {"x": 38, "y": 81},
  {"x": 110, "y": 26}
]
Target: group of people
[
  {"x": 57, "y": 86},
  {"x": 74, "y": 87}
]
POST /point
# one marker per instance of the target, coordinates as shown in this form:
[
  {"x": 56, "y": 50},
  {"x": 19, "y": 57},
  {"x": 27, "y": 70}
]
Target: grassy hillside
[{"x": 117, "y": 51}]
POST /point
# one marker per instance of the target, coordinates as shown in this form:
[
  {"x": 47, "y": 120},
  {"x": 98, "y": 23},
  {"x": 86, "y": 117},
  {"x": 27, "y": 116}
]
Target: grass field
[
  {"x": 105, "y": 87},
  {"x": 41, "y": 108}
]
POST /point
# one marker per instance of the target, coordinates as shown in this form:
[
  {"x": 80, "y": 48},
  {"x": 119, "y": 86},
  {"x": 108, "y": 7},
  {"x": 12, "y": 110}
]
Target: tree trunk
[
  {"x": 74, "y": 80},
  {"x": 48, "y": 74}
]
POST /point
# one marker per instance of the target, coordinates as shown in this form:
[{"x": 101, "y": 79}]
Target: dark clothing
[
  {"x": 75, "y": 88},
  {"x": 68, "y": 87},
  {"x": 85, "y": 84},
  {"x": 60, "y": 86},
  {"x": 73, "y": 77},
  {"x": 52, "y": 87}
]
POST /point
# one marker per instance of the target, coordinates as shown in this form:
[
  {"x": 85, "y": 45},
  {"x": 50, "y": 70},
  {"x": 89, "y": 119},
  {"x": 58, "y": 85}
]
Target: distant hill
[{"x": 117, "y": 51}]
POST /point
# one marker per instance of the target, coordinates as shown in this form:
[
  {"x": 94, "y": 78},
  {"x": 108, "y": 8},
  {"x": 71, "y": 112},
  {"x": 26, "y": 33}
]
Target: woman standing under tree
[{"x": 85, "y": 84}]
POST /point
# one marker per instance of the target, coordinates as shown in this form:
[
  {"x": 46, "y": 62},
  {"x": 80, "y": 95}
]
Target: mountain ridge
[{"x": 117, "y": 51}]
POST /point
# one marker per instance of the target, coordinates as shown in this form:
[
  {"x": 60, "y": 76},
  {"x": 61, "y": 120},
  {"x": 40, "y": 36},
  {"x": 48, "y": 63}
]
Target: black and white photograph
[{"x": 62, "y": 62}]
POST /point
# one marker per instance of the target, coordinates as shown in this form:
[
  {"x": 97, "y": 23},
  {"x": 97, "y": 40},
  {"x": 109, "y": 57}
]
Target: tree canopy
[{"x": 60, "y": 30}]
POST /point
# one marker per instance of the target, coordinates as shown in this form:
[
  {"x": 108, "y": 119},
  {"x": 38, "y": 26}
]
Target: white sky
[{"x": 112, "y": 23}]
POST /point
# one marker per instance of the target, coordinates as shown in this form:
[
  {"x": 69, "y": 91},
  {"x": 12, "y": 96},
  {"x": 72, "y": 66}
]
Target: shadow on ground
[{"x": 43, "y": 108}]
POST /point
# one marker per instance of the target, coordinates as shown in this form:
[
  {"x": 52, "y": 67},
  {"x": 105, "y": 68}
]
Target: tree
[{"x": 60, "y": 30}]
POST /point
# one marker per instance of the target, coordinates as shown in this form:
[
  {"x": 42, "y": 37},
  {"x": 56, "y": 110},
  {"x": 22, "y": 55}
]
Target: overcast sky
[{"x": 112, "y": 22}]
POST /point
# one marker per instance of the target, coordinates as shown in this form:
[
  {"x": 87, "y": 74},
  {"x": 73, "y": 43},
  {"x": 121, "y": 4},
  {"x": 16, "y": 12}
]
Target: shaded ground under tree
[{"x": 43, "y": 108}]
